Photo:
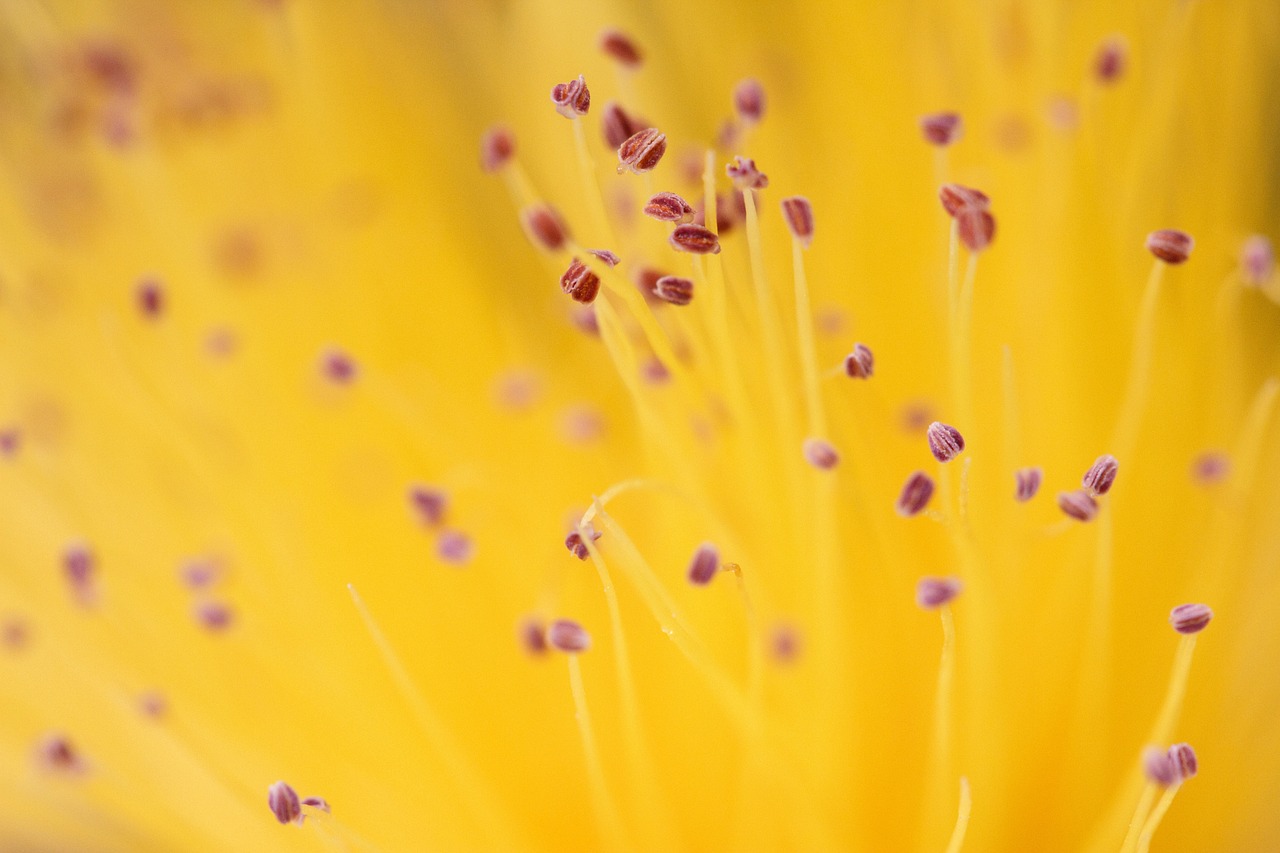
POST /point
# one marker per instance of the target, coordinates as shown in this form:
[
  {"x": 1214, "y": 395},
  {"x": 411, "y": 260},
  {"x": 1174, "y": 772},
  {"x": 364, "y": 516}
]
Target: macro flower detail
[{"x": 293, "y": 418}]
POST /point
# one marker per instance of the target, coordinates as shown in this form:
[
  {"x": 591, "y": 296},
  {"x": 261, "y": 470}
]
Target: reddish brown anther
[
  {"x": 1078, "y": 504},
  {"x": 745, "y": 175},
  {"x": 317, "y": 803},
  {"x": 1184, "y": 760},
  {"x": 669, "y": 207},
  {"x": 1190, "y": 618},
  {"x": 695, "y": 239},
  {"x": 642, "y": 150},
  {"x": 578, "y": 546},
  {"x": 860, "y": 363},
  {"x": 748, "y": 101},
  {"x": 674, "y": 289},
  {"x": 1110, "y": 60},
  {"x": 620, "y": 47},
  {"x": 337, "y": 366},
  {"x": 199, "y": 573},
  {"x": 606, "y": 257},
  {"x": 618, "y": 125},
  {"x": 1170, "y": 245},
  {"x": 945, "y": 441},
  {"x": 150, "y": 298},
  {"x": 820, "y": 454},
  {"x": 497, "y": 147},
  {"x": 55, "y": 752},
  {"x": 799, "y": 216},
  {"x": 956, "y": 198},
  {"x": 544, "y": 227},
  {"x": 932, "y": 593},
  {"x": 941, "y": 129},
  {"x": 213, "y": 616},
  {"x": 78, "y": 564},
  {"x": 284, "y": 803},
  {"x": 1159, "y": 767},
  {"x": 565, "y": 635},
  {"x": 572, "y": 99},
  {"x": 1101, "y": 475},
  {"x": 428, "y": 503},
  {"x": 1257, "y": 260},
  {"x": 975, "y": 228},
  {"x": 454, "y": 547},
  {"x": 1028, "y": 483},
  {"x": 915, "y": 495},
  {"x": 580, "y": 282},
  {"x": 533, "y": 636},
  {"x": 704, "y": 564}
]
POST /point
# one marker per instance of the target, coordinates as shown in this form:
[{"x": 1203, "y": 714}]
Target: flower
[{"x": 299, "y": 427}]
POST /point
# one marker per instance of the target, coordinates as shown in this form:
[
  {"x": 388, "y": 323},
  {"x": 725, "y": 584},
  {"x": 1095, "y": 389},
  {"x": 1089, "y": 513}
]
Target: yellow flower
[{"x": 297, "y": 422}]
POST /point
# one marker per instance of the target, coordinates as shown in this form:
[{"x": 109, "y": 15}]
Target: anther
[
  {"x": 642, "y": 150},
  {"x": 620, "y": 47},
  {"x": 653, "y": 371},
  {"x": 669, "y": 207},
  {"x": 150, "y": 298},
  {"x": 748, "y": 101},
  {"x": 565, "y": 635},
  {"x": 284, "y": 803},
  {"x": 932, "y": 593},
  {"x": 533, "y": 636},
  {"x": 1183, "y": 758},
  {"x": 745, "y": 175},
  {"x": 976, "y": 228},
  {"x": 572, "y": 99},
  {"x": 956, "y": 198},
  {"x": 798, "y": 213},
  {"x": 915, "y": 495},
  {"x": 618, "y": 125},
  {"x": 704, "y": 564},
  {"x": 318, "y": 803},
  {"x": 580, "y": 282},
  {"x": 860, "y": 363},
  {"x": 1210, "y": 467},
  {"x": 454, "y": 547},
  {"x": 1028, "y": 482},
  {"x": 213, "y": 616},
  {"x": 695, "y": 239},
  {"x": 784, "y": 643},
  {"x": 577, "y": 546},
  {"x": 1099, "y": 478},
  {"x": 584, "y": 317},
  {"x": 428, "y": 503},
  {"x": 605, "y": 256},
  {"x": 1110, "y": 60},
  {"x": 1190, "y": 618},
  {"x": 337, "y": 366},
  {"x": 945, "y": 442},
  {"x": 10, "y": 439},
  {"x": 153, "y": 704},
  {"x": 1079, "y": 504},
  {"x": 497, "y": 147},
  {"x": 1257, "y": 260},
  {"x": 941, "y": 129},
  {"x": 78, "y": 564},
  {"x": 674, "y": 289},
  {"x": 1159, "y": 766},
  {"x": 820, "y": 454},
  {"x": 199, "y": 573},
  {"x": 544, "y": 227},
  {"x": 1170, "y": 245},
  {"x": 55, "y": 752}
]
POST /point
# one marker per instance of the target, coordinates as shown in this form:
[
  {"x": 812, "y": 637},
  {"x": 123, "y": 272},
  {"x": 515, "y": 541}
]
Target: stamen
[
  {"x": 577, "y": 546},
  {"x": 150, "y": 298},
  {"x": 1190, "y": 618},
  {"x": 497, "y": 147},
  {"x": 618, "y": 125},
  {"x": 956, "y": 198},
  {"x": 1111, "y": 59},
  {"x": 533, "y": 636},
  {"x": 674, "y": 289},
  {"x": 10, "y": 439},
  {"x": 337, "y": 366},
  {"x": 454, "y": 547},
  {"x": 642, "y": 151},
  {"x": 784, "y": 643},
  {"x": 820, "y": 454},
  {"x": 934, "y": 592},
  {"x": 1257, "y": 260},
  {"x": 78, "y": 565},
  {"x": 915, "y": 495},
  {"x": 1210, "y": 467},
  {"x": 620, "y": 47},
  {"x": 669, "y": 207},
  {"x": 1159, "y": 766},
  {"x": 1078, "y": 504},
  {"x": 544, "y": 227},
  {"x": 605, "y": 256},
  {"x": 945, "y": 441},
  {"x": 580, "y": 282},
  {"x": 428, "y": 503},
  {"x": 284, "y": 803},
  {"x": 153, "y": 704},
  {"x": 585, "y": 319},
  {"x": 1183, "y": 757},
  {"x": 213, "y": 616},
  {"x": 748, "y": 101},
  {"x": 941, "y": 129},
  {"x": 745, "y": 175},
  {"x": 704, "y": 565},
  {"x": 976, "y": 228},
  {"x": 798, "y": 213},
  {"x": 318, "y": 803},
  {"x": 567, "y": 636},
  {"x": 200, "y": 573},
  {"x": 1170, "y": 245},
  {"x": 695, "y": 239},
  {"x": 962, "y": 818},
  {"x": 1099, "y": 478},
  {"x": 56, "y": 753},
  {"x": 572, "y": 99},
  {"x": 860, "y": 363},
  {"x": 1028, "y": 480}
]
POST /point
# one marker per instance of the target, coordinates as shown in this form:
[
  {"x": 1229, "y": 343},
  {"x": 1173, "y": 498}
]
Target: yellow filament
[
  {"x": 962, "y": 348},
  {"x": 606, "y": 812},
  {"x": 1157, "y": 815},
  {"x": 962, "y": 818},
  {"x": 808, "y": 350},
  {"x": 591, "y": 183},
  {"x": 491, "y": 819},
  {"x": 1139, "y": 817},
  {"x": 946, "y": 677},
  {"x": 1125, "y": 437}
]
